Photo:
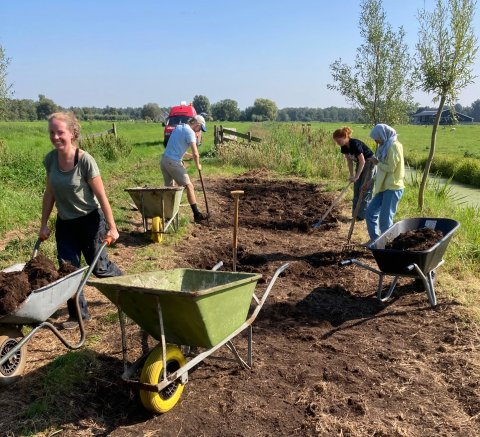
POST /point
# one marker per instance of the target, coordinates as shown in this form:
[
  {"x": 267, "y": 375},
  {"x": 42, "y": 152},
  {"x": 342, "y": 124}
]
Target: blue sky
[{"x": 126, "y": 53}]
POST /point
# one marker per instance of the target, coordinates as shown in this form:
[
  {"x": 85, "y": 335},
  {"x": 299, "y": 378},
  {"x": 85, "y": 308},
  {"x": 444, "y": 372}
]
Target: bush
[
  {"x": 465, "y": 170},
  {"x": 108, "y": 146}
]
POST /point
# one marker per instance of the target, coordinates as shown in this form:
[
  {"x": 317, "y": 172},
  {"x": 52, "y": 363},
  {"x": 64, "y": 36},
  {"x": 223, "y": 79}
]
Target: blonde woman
[{"x": 84, "y": 215}]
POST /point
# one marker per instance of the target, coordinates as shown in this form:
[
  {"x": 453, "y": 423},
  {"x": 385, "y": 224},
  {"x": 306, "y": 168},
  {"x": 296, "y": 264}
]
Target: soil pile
[
  {"x": 416, "y": 240},
  {"x": 37, "y": 273}
]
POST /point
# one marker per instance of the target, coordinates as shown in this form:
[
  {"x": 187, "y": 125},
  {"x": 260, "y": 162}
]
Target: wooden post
[
  {"x": 114, "y": 129},
  {"x": 236, "y": 196},
  {"x": 249, "y": 136}
]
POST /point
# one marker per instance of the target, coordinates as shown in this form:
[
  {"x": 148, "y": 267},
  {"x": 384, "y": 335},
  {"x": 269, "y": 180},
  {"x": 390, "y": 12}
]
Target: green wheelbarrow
[
  {"x": 182, "y": 308},
  {"x": 163, "y": 202}
]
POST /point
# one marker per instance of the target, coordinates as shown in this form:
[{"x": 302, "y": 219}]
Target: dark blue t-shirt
[{"x": 356, "y": 147}]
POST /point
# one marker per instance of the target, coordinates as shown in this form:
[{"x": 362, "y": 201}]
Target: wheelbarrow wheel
[
  {"x": 13, "y": 369},
  {"x": 152, "y": 373}
]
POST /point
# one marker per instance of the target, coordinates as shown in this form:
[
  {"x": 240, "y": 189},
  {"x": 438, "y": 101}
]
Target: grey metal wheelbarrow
[
  {"x": 407, "y": 263},
  {"x": 34, "y": 311}
]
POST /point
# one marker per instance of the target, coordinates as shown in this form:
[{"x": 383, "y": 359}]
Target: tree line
[{"x": 224, "y": 110}]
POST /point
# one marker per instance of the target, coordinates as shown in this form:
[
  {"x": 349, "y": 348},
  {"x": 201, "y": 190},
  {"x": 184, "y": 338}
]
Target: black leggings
[{"x": 84, "y": 235}]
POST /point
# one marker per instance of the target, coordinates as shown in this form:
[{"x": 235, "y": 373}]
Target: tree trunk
[{"x": 428, "y": 164}]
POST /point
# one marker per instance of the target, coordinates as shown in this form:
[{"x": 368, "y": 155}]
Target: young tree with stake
[{"x": 446, "y": 52}]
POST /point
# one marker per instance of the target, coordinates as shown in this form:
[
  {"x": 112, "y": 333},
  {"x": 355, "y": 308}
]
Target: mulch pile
[
  {"x": 416, "y": 240},
  {"x": 15, "y": 287}
]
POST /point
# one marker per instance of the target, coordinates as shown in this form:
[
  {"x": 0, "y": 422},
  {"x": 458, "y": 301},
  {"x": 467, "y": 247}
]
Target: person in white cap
[{"x": 183, "y": 138}]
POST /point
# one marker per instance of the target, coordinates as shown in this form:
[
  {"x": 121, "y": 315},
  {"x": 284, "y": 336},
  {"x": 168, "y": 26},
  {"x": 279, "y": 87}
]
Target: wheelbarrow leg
[
  {"x": 427, "y": 282},
  {"x": 121, "y": 318},
  {"x": 390, "y": 290}
]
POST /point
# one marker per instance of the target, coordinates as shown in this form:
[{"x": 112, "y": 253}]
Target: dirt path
[{"x": 329, "y": 358}]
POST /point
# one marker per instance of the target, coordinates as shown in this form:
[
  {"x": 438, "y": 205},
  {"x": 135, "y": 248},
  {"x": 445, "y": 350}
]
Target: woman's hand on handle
[
  {"x": 44, "y": 233},
  {"x": 111, "y": 236}
]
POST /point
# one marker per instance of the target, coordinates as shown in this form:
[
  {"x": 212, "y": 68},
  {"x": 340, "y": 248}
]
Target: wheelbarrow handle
[
  {"x": 106, "y": 242},
  {"x": 277, "y": 273}
]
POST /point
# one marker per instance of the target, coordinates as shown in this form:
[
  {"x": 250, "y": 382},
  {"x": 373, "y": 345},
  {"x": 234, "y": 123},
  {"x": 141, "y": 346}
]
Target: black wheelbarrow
[{"x": 420, "y": 265}]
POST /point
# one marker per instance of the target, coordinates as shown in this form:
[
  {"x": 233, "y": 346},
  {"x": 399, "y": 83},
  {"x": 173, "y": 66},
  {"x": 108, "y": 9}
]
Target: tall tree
[
  {"x": 45, "y": 107},
  {"x": 201, "y": 104},
  {"x": 5, "y": 88},
  {"x": 264, "y": 109},
  {"x": 379, "y": 83},
  {"x": 151, "y": 111},
  {"x": 446, "y": 52},
  {"x": 226, "y": 110}
]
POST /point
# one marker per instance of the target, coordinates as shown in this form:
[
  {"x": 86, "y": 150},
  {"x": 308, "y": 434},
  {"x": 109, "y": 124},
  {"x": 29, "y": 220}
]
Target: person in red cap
[{"x": 183, "y": 138}]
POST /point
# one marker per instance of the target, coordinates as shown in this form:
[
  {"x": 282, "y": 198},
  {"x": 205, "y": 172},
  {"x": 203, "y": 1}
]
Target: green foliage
[
  {"x": 4, "y": 86},
  {"x": 289, "y": 149},
  {"x": 446, "y": 48},
  {"x": 45, "y": 107},
  {"x": 378, "y": 84},
  {"x": 108, "y": 146},
  {"x": 201, "y": 104},
  {"x": 152, "y": 112},
  {"x": 225, "y": 110},
  {"x": 264, "y": 110},
  {"x": 446, "y": 53}
]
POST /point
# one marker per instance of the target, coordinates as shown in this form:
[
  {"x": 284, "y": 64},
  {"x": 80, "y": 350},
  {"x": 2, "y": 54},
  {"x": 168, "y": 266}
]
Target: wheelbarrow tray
[
  {"x": 157, "y": 202},
  {"x": 199, "y": 307},
  {"x": 396, "y": 261},
  {"x": 43, "y": 302}
]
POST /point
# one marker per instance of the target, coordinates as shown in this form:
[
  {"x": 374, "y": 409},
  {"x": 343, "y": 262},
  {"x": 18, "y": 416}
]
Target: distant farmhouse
[{"x": 428, "y": 116}]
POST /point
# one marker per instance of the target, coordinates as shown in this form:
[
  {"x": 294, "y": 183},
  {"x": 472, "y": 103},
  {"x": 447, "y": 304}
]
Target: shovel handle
[{"x": 204, "y": 194}]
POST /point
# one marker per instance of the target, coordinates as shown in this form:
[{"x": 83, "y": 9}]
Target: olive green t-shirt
[{"x": 73, "y": 196}]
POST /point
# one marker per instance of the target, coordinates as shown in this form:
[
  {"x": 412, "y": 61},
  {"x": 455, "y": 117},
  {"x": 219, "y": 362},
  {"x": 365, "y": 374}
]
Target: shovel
[{"x": 317, "y": 223}]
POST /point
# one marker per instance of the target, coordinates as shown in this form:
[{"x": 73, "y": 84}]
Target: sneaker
[{"x": 200, "y": 217}]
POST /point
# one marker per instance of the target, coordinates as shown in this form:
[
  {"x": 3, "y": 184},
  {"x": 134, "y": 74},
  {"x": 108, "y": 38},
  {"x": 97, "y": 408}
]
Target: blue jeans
[
  {"x": 84, "y": 235},
  {"x": 380, "y": 212}
]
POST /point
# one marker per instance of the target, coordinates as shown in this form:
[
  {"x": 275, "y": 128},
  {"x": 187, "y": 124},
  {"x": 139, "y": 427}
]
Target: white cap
[{"x": 201, "y": 120}]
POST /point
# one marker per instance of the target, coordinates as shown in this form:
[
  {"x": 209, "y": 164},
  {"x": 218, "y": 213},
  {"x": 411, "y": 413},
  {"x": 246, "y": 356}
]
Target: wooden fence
[
  {"x": 113, "y": 131},
  {"x": 221, "y": 134}
]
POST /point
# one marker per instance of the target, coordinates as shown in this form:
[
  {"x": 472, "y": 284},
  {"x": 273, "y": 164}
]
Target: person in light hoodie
[{"x": 389, "y": 181}]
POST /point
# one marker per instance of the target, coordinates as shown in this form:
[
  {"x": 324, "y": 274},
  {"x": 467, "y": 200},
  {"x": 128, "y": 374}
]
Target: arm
[
  {"x": 47, "y": 206},
  {"x": 196, "y": 156},
  {"x": 361, "y": 165},
  {"x": 98, "y": 189},
  {"x": 350, "y": 168}
]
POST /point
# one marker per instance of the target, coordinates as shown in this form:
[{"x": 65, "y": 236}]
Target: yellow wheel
[
  {"x": 157, "y": 228},
  {"x": 152, "y": 373},
  {"x": 13, "y": 369}
]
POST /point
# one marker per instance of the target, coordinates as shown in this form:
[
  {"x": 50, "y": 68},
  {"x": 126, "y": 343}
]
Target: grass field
[{"x": 286, "y": 150}]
